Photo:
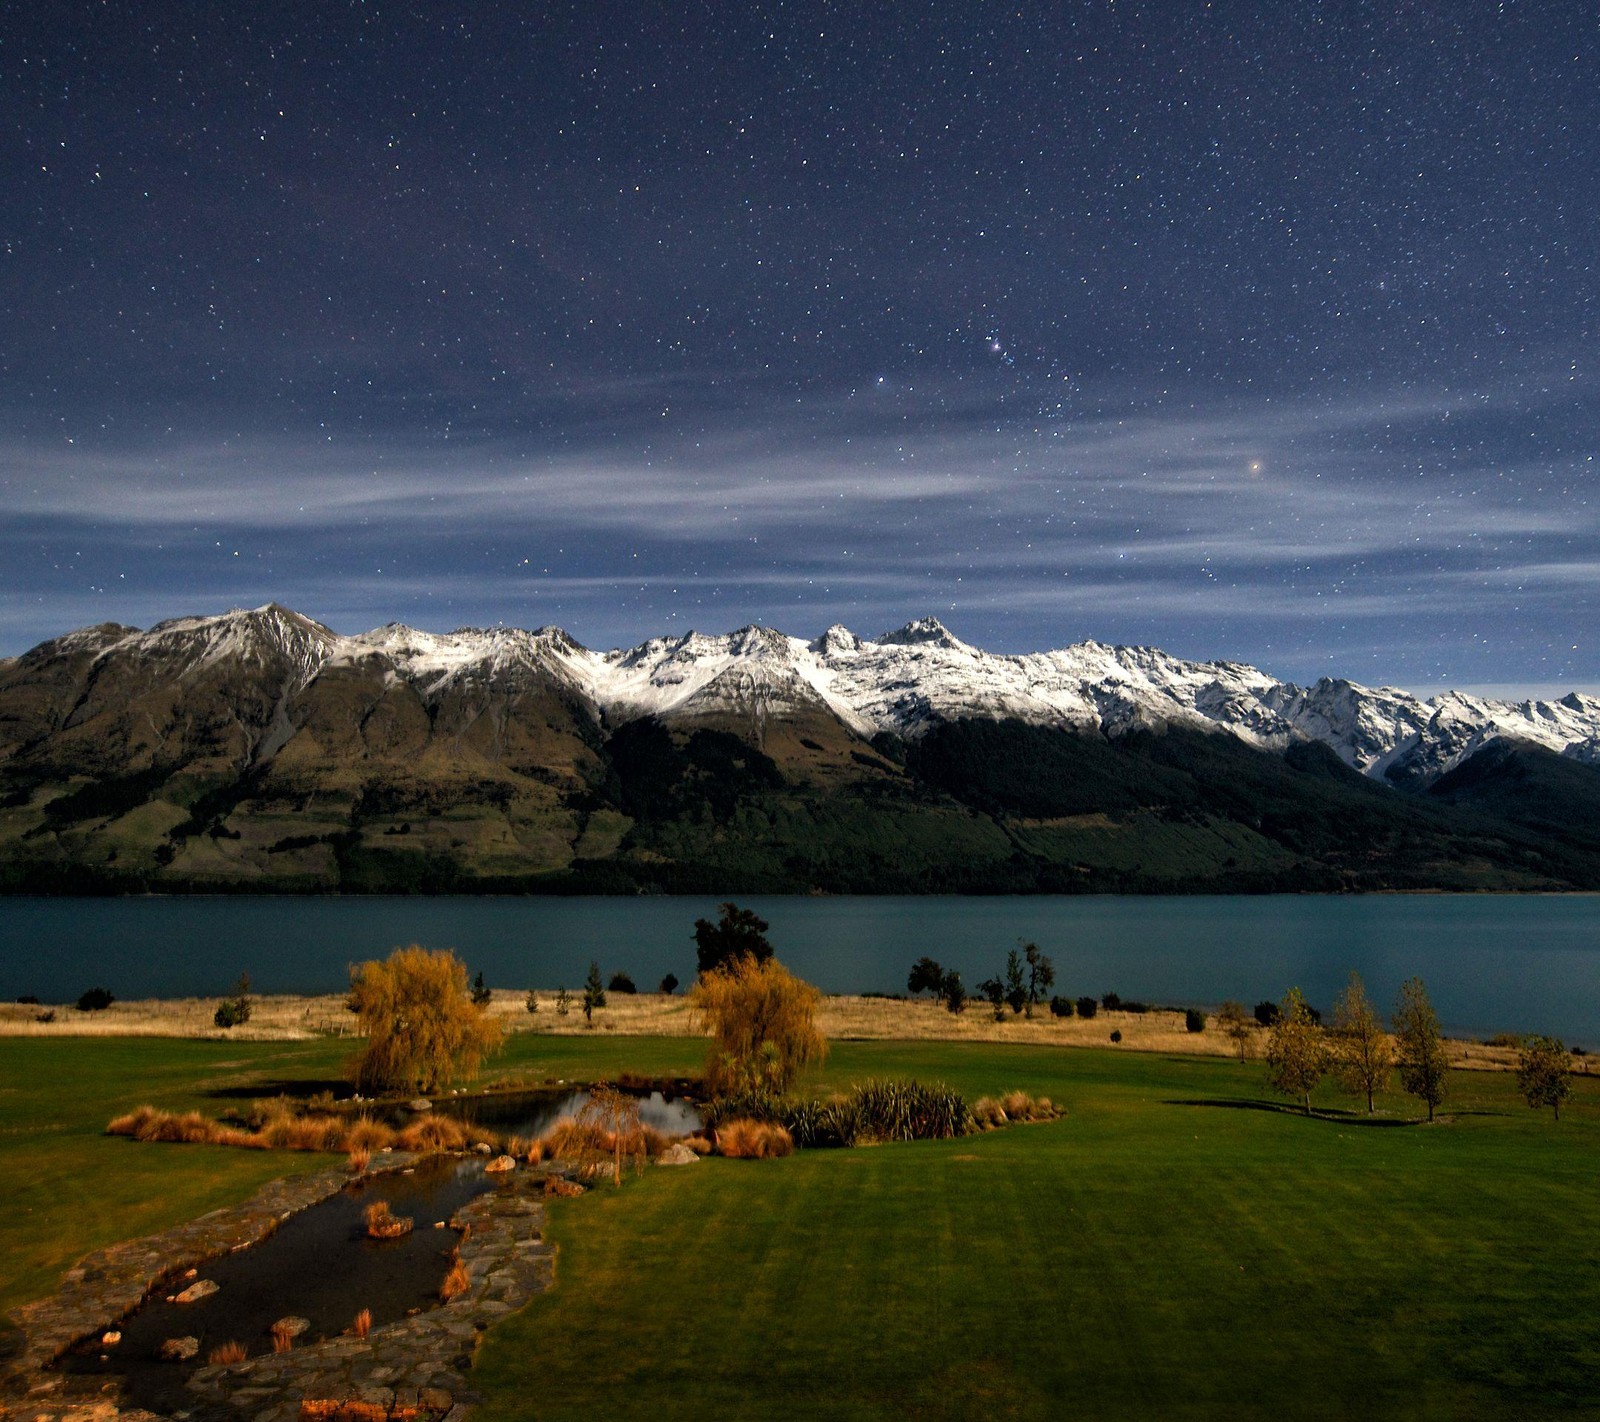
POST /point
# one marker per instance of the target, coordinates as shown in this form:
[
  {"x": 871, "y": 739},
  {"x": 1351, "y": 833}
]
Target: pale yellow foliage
[
  {"x": 421, "y": 1023},
  {"x": 762, "y": 1021}
]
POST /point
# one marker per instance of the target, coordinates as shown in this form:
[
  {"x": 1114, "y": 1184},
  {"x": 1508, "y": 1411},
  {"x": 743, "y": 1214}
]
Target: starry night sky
[{"x": 1257, "y": 331}]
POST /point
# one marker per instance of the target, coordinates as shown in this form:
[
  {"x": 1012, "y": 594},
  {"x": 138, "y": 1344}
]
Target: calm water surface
[{"x": 1492, "y": 963}]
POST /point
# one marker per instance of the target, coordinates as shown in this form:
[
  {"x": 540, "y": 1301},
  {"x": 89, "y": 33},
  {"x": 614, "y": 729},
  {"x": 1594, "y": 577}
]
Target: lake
[{"x": 1491, "y": 962}]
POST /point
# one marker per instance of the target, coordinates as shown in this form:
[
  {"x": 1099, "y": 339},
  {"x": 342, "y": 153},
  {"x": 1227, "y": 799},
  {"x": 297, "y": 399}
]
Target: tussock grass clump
[
  {"x": 456, "y": 1282},
  {"x": 382, "y": 1223},
  {"x": 432, "y": 1133},
  {"x": 753, "y": 1140},
  {"x": 282, "y": 1338},
  {"x": 989, "y": 1113},
  {"x": 367, "y": 1134},
  {"x": 225, "y": 1353},
  {"x": 358, "y": 1160},
  {"x": 362, "y": 1325},
  {"x": 303, "y": 1133},
  {"x": 189, "y": 1128}
]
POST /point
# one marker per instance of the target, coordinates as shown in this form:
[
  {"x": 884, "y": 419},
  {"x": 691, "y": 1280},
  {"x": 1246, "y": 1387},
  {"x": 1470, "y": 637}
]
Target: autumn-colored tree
[
  {"x": 1362, "y": 1058},
  {"x": 762, "y": 1021},
  {"x": 1544, "y": 1072},
  {"x": 1297, "y": 1055},
  {"x": 421, "y": 1024},
  {"x": 1235, "y": 1025},
  {"x": 1418, "y": 1048}
]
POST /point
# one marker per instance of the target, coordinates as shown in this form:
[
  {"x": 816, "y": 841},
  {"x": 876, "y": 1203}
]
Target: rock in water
[
  {"x": 200, "y": 1289},
  {"x": 501, "y": 1163}
]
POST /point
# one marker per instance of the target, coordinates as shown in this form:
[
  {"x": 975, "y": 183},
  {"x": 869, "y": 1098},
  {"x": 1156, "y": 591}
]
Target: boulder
[
  {"x": 484, "y": 1148},
  {"x": 501, "y": 1163},
  {"x": 420, "y": 1104},
  {"x": 291, "y": 1326},
  {"x": 434, "y": 1399},
  {"x": 178, "y": 1350},
  {"x": 200, "y": 1289},
  {"x": 677, "y": 1154}
]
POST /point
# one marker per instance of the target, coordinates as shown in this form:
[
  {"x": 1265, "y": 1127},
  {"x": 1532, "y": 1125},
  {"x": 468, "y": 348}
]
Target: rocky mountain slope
[{"x": 259, "y": 749}]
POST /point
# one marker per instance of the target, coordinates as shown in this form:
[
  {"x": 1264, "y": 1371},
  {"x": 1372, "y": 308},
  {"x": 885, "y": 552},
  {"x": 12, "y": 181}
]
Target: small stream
[{"x": 318, "y": 1265}]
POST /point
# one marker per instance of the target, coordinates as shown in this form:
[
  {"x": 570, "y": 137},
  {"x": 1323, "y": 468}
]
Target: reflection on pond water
[
  {"x": 318, "y": 1265},
  {"x": 532, "y": 1113}
]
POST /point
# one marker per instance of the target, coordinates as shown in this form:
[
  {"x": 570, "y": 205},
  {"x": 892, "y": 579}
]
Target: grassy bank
[{"x": 1176, "y": 1246}]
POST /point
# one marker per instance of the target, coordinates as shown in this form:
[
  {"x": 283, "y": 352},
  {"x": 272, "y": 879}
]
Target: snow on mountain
[
  {"x": 254, "y": 637},
  {"x": 904, "y": 681}
]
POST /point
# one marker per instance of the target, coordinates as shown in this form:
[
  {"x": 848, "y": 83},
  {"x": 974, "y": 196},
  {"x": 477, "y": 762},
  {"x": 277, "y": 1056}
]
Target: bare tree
[
  {"x": 1297, "y": 1055},
  {"x": 1419, "y": 1050},
  {"x": 1362, "y": 1059},
  {"x": 1235, "y": 1025},
  {"x": 610, "y": 1122}
]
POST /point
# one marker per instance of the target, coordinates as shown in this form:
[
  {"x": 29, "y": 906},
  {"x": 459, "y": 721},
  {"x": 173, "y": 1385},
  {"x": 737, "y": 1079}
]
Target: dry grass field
[{"x": 290, "y": 1018}]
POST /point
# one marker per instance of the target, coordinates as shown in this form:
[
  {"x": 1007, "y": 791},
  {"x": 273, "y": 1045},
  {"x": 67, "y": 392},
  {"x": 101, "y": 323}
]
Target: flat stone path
[{"x": 419, "y": 1361}]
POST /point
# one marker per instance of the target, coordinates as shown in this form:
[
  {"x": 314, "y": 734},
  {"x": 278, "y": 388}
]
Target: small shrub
[
  {"x": 235, "y": 1011},
  {"x": 1116, "y": 1037},
  {"x": 28, "y": 999},
  {"x": 753, "y": 1140},
  {"x": 754, "y": 1105},
  {"x": 226, "y": 1353},
  {"x": 96, "y": 999},
  {"x": 669, "y": 985},
  {"x": 1194, "y": 1020},
  {"x": 1267, "y": 1014},
  {"x": 362, "y": 1325},
  {"x": 1111, "y": 1002},
  {"x": 46, "y": 1017},
  {"x": 1087, "y": 1007},
  {"x": 1061, "y": 1007},
  {"x": 621, "y": 982},
  {"x": 531, "y": 1002},
  {"x": 909, "y": 1111}
]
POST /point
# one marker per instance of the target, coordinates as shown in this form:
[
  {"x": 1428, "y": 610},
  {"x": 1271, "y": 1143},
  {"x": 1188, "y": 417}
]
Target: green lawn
[{"x": 1165, "y": 1250}]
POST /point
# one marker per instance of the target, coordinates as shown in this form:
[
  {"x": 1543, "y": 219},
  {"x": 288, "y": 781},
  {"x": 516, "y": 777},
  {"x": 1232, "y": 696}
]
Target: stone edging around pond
[
  {"x": 415, "y": 1361},
  {"x": 412, "y": 1362},
  {"x": 110, "y": 1283}
]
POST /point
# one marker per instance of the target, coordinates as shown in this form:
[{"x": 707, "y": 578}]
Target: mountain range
[{"x": 258, "y": 750}]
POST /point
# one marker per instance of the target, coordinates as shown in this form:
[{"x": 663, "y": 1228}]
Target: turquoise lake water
[{"x": 1491, "y": 963}]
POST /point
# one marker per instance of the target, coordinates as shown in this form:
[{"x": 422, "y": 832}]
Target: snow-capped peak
[{"x": 904, "y": 682}]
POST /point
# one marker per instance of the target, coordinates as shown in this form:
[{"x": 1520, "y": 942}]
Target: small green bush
[
  {"x": 96, "y": 999},
  {"x": 1061, "y": 1007},
  {"x": 621, "y": 982},
  {"x": 1194, "y": 1020},
  {"x": 1087, "y": 1007}
]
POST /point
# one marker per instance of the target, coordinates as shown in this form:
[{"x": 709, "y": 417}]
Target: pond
[
  {"x": 318, "y": 1265},
  {"x": 532, "y": 1113}
]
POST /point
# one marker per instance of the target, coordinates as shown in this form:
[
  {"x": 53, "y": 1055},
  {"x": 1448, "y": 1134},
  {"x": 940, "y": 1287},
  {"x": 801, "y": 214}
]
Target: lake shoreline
[{"x": 844, "y": 1017}]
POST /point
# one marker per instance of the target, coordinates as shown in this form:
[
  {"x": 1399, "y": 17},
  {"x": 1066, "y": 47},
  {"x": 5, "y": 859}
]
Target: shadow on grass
[
  {"x": 283, "y": 1086},
  {"x": 1343, "y": 1118}
]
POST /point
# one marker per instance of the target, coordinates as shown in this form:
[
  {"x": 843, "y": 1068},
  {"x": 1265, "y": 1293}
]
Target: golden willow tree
[
  {"x": 762, "y": 1021},
  {"x": 421, "y": 1023}
]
